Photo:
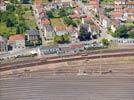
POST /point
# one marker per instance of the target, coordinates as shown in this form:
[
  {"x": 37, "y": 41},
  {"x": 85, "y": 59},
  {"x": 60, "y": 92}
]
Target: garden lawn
[
  {"x": 28, "y": 15},
  {"x": 22, "y": 17},
  {"x": 56, "y": 13},
  {"x": 4, "y": 29},
  {"x": 57, "y": 22},
  {"x": 31, "y": 23},
  {"x": 45, "y": 1},
  {"x": 29, "y": 19},
  {"x": 129, "y": 24}
]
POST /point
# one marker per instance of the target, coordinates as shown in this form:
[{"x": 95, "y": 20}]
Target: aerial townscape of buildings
[
  {"x": 64, "y": 25},
  {"x": 67, "y": 49}
]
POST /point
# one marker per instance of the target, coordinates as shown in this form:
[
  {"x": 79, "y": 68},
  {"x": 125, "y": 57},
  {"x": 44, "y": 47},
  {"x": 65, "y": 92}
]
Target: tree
[
  {"x": 10, "y": 8},
  {"x": 18, "y": 31},
  {"x": 58, "y": 39},
  {"x": 69, "y": 10},
  {"x": 6, "y": 35},
  {"x": 69, "y": 21},
  {"x": 97, "y": 16},
  {"x": 24, "y": 25},
  {"x": 14, "y": 1},
  {"x": 62, "y": 13},
  {"x": 108, "y": 9},
  {"x": 74, "y": 23},
  {"x": 62, "y": 39},
  {"x": 26, "y": 1},
  {"x": 82, "y": 31},
  {"x": 9, "y": 23},
  {"x": 114, "y": 34},
  {"x": 121, "y": 32},
  {"x": 106, "y": 1},
  {"x": 37, "y": 28},
  {"x": 50, "y": 14},
  {"x": 131, "y": 34},
  {"x": 105, "y": 41},
  {"x": 84, "y": 34},
  {"x": 3, "y": 16},
  {"x": 50, "y": 0},
  {"x": 78, "y": 22},
  {"x": 66, "y": 37}
]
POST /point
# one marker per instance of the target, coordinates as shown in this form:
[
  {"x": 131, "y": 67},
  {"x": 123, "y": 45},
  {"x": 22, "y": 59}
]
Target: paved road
[
  {"x": 89, "y": 12},
  {"x": 69, "y": 87},
  {"x": 39, "y": 25}
]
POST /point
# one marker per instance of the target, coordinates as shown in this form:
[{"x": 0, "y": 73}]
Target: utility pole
[{"x": 83, "y": 67}]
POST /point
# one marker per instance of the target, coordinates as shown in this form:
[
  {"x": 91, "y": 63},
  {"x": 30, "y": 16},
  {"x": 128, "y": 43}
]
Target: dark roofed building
[
  {"x": 52, "y": 49},
  {"x": 48, "y": 32},
  {"x": 33, "y": 36},
  {"x": 85, "y": 27}
]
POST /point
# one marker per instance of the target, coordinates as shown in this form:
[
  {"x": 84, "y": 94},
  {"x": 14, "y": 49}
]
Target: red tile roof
[
  {"x": 129, "y": 10},
  {"x": 45, "y": 22},
  {"x": 60, "y": 28},
  {"x": 117, "y": 14},
  {"x": 94, "y": 3},
  {"x": 116, "y": 22},
  {"x": 73, "y": 46},
  {"x": 38, "y": 2},
  {"x": 17, "y": 37},
  {"x": 71, "y": 28},
  {"x": 42, "y": 13},
  {"x": 87, "y": 18},
  {"x": 74, "y": 16},
  {"x": 130, "y": 2}
]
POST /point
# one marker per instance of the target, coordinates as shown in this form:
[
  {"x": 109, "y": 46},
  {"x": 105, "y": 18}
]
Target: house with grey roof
[
  {"x": 48, "y": 32},
  {"x": 33, "y": 36},
  {"x": 52, "y": 49},
  {"x": 66, "y": 4}
]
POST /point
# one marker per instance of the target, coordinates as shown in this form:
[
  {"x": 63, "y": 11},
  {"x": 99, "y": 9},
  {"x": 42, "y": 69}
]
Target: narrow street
[
  {"x": 88, "y": 11},
  {"x": 38, "y": 25}
]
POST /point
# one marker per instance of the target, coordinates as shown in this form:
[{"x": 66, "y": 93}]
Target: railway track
[
  {"x": 78, "y": 54},
  {"x": 64, "y": 59}
]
